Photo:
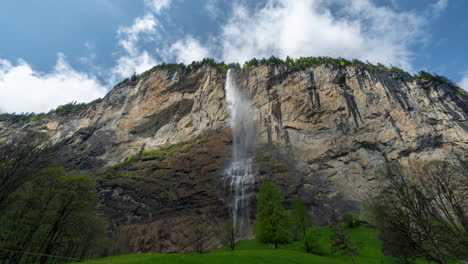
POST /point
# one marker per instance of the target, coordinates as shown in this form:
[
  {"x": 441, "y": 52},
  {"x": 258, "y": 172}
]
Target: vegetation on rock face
[
  {"x": 180, "y": 66},
  {"x": 61, "y": 110},
  {"x": 14, "y": 118},
  {"x": 422, "y": 75},
  {"x": 299, "y": 63},
  {"x": 165, "y": 154}
]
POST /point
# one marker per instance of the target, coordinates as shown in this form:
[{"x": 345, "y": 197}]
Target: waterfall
[{"x": 239, "y": 176}]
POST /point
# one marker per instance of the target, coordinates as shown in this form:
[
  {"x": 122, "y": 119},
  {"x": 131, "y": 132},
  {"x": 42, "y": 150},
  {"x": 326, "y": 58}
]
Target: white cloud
[
  {"x": 352, "y": 29},
  {"x": 211, "y": 6},
  {"x": 188, "y": 50},
  {"x": 134, "y": 59},
  {"x": 23, "y": 89},
  {"x": 128, "y": 65},
  {"x": 158, "y": 5},
  {"x": 464, "y": 81},
  {"x": 439, "y": 7},
  {"x": 130, "y": 36}
]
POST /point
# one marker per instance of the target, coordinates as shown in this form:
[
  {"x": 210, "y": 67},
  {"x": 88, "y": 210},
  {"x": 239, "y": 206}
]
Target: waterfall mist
[{"x": 239, "y": 175}]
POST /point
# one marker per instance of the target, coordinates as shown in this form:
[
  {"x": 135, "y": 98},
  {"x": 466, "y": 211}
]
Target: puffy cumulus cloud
[
  {"x": 187, "y": 50},
  {"x": 128, "y": 65},
  {"x": 158, "y": 5},
  {"x": 134, "y": 59},
  {"x": 130, "y": 36},
  {"x": 26, "y": 90},
  {"x": 352, "y": 29}
]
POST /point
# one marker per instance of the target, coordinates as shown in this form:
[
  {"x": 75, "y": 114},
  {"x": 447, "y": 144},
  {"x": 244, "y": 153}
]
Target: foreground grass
[{"x": 251, "y": 251}]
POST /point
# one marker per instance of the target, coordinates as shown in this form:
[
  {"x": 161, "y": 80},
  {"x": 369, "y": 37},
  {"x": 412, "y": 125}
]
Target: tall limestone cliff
[{"x": 322, "y": 133}]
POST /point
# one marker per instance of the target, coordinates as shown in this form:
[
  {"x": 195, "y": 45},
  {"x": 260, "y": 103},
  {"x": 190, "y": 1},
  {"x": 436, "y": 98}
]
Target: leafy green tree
[
  {"x": 52, "y": 214},
  {"x": 301, "y": 219},
  {"x": 20, "y": 155},
  {"x": 273, "y": 221}
]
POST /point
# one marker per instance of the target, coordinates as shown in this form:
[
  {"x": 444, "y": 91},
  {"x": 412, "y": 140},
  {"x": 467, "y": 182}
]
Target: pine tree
[{"x": 272, "y": 222}]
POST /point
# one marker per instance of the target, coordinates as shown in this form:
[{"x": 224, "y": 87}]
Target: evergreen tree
[{"x": 272, "y": 222}]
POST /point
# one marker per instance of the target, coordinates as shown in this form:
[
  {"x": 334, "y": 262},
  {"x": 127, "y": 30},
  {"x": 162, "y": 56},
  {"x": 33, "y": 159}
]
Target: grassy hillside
[{"x": 251, "y": 251}]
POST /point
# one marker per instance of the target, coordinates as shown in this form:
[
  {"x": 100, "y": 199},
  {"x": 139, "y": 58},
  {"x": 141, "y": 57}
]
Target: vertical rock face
[
  {"x": 322, "y": 133},
  {"x": 341, "y": 123},
  {"x": 166, "y": 107}
]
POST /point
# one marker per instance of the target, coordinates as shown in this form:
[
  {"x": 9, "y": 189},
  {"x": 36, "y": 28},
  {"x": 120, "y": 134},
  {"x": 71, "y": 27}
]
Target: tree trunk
[{"x": 442, "y": 260}]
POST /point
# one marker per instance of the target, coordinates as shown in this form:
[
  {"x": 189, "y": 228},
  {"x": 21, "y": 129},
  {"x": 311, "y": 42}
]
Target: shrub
[
  {"x": 312, "y": 242},
  {"x": 351, "y": 220},
  {"x": 150, "y": 153}
]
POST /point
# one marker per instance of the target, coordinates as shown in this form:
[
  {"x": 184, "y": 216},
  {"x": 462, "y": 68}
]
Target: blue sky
[{"x": 54, "y": 51}]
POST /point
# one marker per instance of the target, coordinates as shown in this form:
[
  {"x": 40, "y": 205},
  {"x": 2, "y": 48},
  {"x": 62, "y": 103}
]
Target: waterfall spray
[{"x": 239, "y": 176}]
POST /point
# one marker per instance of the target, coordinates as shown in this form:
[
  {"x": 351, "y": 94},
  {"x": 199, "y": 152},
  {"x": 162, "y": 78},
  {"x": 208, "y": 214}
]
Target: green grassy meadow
[{"x": 251, "y": 251}]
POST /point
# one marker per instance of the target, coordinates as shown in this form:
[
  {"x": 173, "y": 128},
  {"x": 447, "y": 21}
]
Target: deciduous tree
[
  {"x": 301, "y": 219},
  {"x": 273, "y": 223}
]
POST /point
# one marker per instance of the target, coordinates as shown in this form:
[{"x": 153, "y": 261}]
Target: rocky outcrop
[
  {"x": 341, "y": 123},
  {"x": 154, "y": 199},
  {"x": 322, "y": 133}
]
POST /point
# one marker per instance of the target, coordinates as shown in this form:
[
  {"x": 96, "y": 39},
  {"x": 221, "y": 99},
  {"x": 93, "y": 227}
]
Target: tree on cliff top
[{"x": 273, "y": 222}]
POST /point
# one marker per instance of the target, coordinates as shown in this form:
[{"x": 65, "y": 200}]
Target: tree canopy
[{"x": 273, "y": 221}]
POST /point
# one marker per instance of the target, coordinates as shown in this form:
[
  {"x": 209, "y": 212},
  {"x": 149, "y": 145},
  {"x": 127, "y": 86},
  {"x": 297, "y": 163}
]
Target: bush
[
  {"x": 151, "y": 153},
  {"x": 351, "y": 220},
  {"x": 312, "y": 242}
]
